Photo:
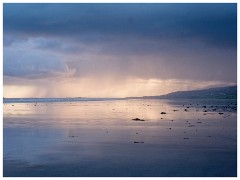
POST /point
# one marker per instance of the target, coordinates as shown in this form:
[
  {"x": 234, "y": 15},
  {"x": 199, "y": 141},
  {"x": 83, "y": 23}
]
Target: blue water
[
  {"x": 99, "y": 138},
  {"x": 42, "y": 100}
]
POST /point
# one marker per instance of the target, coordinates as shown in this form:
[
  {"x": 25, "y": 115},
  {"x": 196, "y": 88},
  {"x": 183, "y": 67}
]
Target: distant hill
[{"x": 229, "y": 92}]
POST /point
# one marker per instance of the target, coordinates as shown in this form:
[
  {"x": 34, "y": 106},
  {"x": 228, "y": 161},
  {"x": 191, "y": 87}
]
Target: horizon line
[{"x": 116, "y": 97}]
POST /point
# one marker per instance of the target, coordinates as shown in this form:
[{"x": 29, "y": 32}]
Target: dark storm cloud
[
  {"x": 32, "y": 64},
  {"x": 147, "y": 41},
  {"x": 215, "y": 24}
]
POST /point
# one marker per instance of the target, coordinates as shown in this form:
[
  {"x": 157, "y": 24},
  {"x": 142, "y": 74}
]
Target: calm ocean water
[
  {"x": 97, "y": 137},
  {"x": 42, "y": 100}
]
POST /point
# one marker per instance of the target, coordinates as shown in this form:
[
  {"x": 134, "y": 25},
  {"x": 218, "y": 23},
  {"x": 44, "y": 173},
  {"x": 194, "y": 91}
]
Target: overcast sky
[{"x": 117, "y": 50}]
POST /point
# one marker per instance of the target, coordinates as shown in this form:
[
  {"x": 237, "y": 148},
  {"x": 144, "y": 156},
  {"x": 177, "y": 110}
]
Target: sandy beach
[{"x": 135, "y": 138}]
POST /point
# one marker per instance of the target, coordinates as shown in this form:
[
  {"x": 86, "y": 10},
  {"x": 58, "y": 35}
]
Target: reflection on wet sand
[{"x": 121, "y": 138}]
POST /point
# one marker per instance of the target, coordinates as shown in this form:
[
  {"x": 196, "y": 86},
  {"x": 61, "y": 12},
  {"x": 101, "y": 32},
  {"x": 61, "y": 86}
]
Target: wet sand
[{"x": 140, "y": 138}]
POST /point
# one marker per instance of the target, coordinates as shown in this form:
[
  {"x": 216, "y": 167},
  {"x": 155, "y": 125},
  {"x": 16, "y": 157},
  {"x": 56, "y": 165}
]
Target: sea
[{"x": 114, "y": 137}]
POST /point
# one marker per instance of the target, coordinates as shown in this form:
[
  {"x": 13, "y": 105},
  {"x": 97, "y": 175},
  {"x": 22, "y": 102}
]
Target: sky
[{"x": 117, "y": 50}]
